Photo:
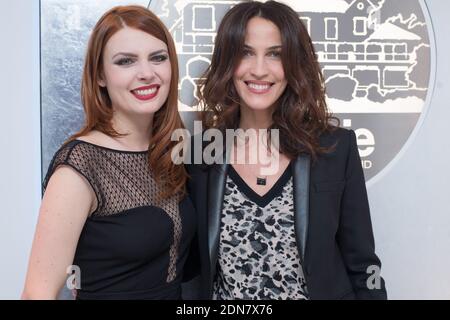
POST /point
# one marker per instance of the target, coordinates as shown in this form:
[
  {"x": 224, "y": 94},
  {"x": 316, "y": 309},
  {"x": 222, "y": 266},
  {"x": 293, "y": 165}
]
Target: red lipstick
[{"x": 146, "y": 92}]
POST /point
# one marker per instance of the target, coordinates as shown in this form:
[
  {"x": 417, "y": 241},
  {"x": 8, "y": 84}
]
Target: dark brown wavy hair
[
  {"x": 302, "y": 114},
  {"x": 97, "y": 103}
]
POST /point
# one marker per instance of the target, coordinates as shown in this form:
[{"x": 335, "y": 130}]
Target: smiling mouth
[
  {"x": 259, "y": 87},
  {"x": 146, "y": 93}
]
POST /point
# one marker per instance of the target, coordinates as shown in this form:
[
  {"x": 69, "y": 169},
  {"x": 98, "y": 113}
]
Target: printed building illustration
[
  {"x": 194, "y": 34},
  {"x": 350, "y": 41},
  {"x": 357, "y": 52}
]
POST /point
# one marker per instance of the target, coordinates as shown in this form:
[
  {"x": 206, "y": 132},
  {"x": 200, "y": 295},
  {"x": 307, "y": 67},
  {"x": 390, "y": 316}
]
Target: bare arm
[{"x": 67, "y": 202}]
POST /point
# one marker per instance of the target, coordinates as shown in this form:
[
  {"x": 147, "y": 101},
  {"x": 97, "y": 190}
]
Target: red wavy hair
[{"x": 97, "y": 104}]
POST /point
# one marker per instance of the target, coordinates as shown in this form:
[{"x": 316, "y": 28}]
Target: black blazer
[{"x": 332, "y": 221}]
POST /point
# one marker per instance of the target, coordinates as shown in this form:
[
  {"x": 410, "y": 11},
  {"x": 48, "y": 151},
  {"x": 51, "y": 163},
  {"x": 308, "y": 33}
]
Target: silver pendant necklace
[{"x": 261, "y": 181}]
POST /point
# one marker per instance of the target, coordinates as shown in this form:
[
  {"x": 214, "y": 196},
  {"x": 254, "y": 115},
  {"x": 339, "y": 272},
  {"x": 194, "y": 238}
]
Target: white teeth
[
  {"x": 259, "y": 87},
  {"x": 145, "y": 92}
]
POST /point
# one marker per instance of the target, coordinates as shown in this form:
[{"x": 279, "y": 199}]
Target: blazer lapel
[
  {"x": 301, "y": 176},
  {"x": 216, "y": 191}
]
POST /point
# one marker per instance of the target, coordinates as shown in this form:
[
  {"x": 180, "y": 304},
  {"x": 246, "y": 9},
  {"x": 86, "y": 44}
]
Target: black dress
[{"x": 132, "y": 246}]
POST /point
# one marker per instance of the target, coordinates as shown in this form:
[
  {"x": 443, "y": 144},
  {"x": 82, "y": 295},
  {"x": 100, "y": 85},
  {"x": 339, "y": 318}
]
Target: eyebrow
[
  {"x": 246, "y": 46},
  {"x": 133, "y": 55}
]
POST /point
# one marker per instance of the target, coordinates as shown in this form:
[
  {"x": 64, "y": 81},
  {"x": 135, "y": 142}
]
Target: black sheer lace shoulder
[{"x": 121, "y": 180}]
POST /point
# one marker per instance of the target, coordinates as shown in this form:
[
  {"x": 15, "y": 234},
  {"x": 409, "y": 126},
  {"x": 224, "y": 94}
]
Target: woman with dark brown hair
[
  {"x": 303, "y": 230},
  {"x": 114, "y": 208}
]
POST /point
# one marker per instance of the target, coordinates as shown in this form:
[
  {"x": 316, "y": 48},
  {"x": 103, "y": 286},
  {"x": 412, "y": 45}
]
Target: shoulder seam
[{"x": 73, "y": 143}]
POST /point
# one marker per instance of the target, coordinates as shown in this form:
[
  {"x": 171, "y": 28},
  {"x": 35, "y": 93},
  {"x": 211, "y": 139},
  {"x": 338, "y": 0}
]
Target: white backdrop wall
[
  {"x": 410, "y": 207},
  {"x": 410, "y": 212},
  {"x": 20, "y": 170}
]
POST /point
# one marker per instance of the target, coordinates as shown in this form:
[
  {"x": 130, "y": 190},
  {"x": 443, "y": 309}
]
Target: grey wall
[
  {"x": 410, "y": 214},
  {"x": 409, "y": 202},
  {"x": 20, "y": 170}
]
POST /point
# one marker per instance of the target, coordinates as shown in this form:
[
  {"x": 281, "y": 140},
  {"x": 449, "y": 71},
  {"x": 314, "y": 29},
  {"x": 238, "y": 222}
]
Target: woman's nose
[
  {"x": 146, "y": 71},
  {"x": 259, "y": 67}
]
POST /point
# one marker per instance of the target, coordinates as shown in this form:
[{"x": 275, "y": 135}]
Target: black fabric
[
  {"x": 340, "y": 244},
  {"x": 265, "y": 199},
  {"x": 133, "y": 246}
]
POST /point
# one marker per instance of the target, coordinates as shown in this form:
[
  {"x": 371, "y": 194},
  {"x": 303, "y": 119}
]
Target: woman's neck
[
  {"x": 255, "y": 119},
  {"x": 137, "y": 131}
]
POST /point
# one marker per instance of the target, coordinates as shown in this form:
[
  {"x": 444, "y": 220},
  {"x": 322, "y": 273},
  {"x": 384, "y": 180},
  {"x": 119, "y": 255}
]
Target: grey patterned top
[{"x": 258, "y": 257}]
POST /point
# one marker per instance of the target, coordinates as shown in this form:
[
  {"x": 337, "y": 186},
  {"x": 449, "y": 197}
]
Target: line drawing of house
[
  {"x": 194, "y": 33},
  {"x": 349, "y": 42}
]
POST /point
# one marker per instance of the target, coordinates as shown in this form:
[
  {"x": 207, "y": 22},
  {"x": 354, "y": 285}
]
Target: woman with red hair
[{"x": 114, "y": 207}]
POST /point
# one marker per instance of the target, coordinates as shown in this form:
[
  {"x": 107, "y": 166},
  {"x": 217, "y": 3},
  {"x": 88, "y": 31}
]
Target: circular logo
[{"x": 376, "y": 58}]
